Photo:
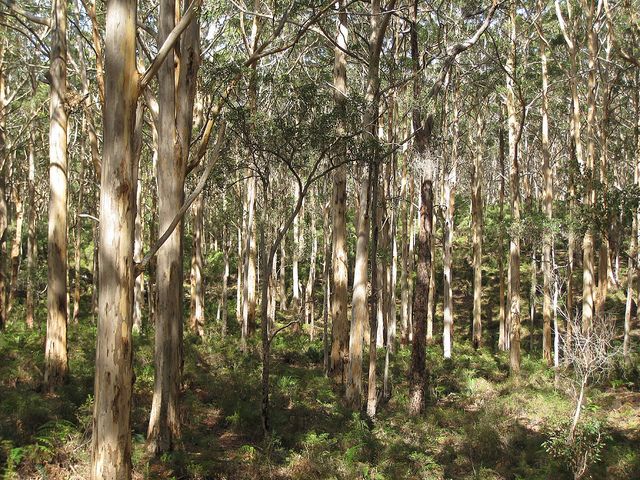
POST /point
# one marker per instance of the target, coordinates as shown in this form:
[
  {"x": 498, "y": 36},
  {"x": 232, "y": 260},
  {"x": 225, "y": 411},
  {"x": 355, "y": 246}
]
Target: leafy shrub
[{"x": 580, "y": 451}]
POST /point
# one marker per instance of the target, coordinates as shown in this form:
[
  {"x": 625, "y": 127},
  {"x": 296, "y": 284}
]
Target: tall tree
[
  {"x": 111, "y": 437},
  {"x": 56, "y": 361}
]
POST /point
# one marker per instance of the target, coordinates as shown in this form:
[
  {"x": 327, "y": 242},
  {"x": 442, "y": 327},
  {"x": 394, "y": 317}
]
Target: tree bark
[
  {"x": 197, "y": 266},
  {"x": 476, "y": 214},
  {"x": 417, "y": 373},
  {"x": 514, "y": 247},
  {"x": 111, "y": 441},
  {"x": 340, "y": 323},
  {"x": 31, "y": 227},
  {"x": 359, "y": 302},
  {"x": 588, "y": 274},
  {"x": 547, "y": 238},
  {"x": 174, "y": 135},
  {"x": 56, "y": 361}
]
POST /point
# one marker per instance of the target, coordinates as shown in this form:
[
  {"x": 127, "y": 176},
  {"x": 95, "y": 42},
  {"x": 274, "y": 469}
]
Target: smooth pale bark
[
  {"x": 16, "y": 246},
  {"x": 514, "y": 244},
  {"x": 340, "y": 322},
  {"x": 378, "y": 25},
  {"x": 502, "y": 314},
  {"x": 588, "y": 272},
  {"x": 604, "y": 266},
  {"x": 175, "y": 118},
  {"x": 575, "y": 153},
  {"x": 31, "y": 227},
  {"x": 197, "y": 266},
  {"x": 358, "y": 302},
  {"x": 282, "y": 275},
  {"x": 298, "y": 247},
  {"x": 111, "y": 441},
  {"x": 476, "y": 220},
  {"x": 239, "y": 281},
  {"x": 138, "y": 288},
  {"x": 417, "y": 373},
  {"x": 77, "y": 241},
  {"x": 449, "y": 199},
  {"x": 226, "y": 250},
  {"x": 249, "y": 274},
  {"x": 326, "y": 282},
  {"x": 547, "y": 236},
  {"x": 309, "y": 303},
  {"x": 374, "y": 300},
  {"x": 56, "y": 361}
]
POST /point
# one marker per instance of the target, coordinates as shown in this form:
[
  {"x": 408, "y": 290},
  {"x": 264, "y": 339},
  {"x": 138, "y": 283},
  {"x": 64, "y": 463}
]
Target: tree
[
  {"x": 56, "y": 361},
  {"x": 111, "y": 440}
]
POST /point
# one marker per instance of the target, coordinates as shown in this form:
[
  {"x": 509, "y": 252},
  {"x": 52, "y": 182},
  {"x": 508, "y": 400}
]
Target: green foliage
[{"x": 577, "y": 452}]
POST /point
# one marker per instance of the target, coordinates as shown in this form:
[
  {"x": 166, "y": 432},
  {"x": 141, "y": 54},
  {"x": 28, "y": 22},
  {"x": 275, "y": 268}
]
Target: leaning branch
[
  {"x": 169, "y": 43},
  {"x": 11, "y": 5},
  {"x": 140, "y": 267}
]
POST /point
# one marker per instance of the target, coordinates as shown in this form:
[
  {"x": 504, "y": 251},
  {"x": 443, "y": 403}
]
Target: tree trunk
[
  {"x": 375, "y": 289},
  {"x": 31, "y": 227},
  {"x": 340, "y": 275},
  {"x": 174, "y": 136},
  {"x": 404, "y": 262},
  {"x": 197, "y": 266},
  {"x": 447, "y": 261},
  {"x": 226, "y": 248},
  {"x": 309, "y": 304},
  {"x": 3, "y": 204},
  {"x": 138, "y": 288},
  {"x": 417, "y": 373},
  {"x": 547, "y": 238},
  {"x": 514, "y": 247},
  {"x": 359, "y": 302},
  {"x": 16, "y": 246},
  {"x": 476, "y": 214},
  {"x": 588, "y": 274},
  {"x": 326, "y": 282},
  {"x": 111, "y": 442},
  {"x": 502, "y": 338},
  {"x": 56, "y": 361}
]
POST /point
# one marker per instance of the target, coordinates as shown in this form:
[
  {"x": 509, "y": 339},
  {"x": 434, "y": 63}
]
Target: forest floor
[{"x": 480, "y": 424}]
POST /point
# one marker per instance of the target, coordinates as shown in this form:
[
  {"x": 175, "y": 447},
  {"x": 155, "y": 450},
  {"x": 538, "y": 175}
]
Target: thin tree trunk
[
  {"x": 359, "y": 302},
  {"x": 418, "y": 374},
  {"x": 138, "y": 287},
  {"x": 326, "y": 278},
  {"x": 309, "y": 304},
  {"x": 476, "y": 209},
  {"x": 31, "y": 227},
  {"x": 588, "y": 274},
  {"x": 547, "y": 238},
  {"x": 502, "y": 338},
  {"x": 514, "y": 248},
  {"x": 16, "y": 246},
  {"x": 375, "y": 289},
  {"x": 174, "y": 135},
  {"x": 197, "y": 266},
  {"x": 340, "y": 322},
  {"x": 226, "y": 247},
  {"x": 404, "y": 262},
  {"x": 56, "y": 361},
  {"x": 3, "y": 204},
  {"x": 447, "y": 261}
]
